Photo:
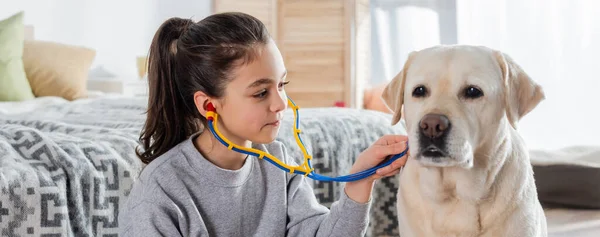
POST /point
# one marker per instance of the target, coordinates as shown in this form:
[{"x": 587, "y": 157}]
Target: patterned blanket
[{"x": 66, "y": 168}]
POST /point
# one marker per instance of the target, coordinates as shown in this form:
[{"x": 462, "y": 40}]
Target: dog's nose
[{"x": 434, "y": 125}]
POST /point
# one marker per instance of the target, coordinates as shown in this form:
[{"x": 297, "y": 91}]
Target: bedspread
[{"x": 65, "y": 169}]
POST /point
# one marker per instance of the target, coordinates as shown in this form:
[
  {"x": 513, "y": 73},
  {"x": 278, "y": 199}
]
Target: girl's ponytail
[
  {"x": 187, "y": 57},
  {"x": 168, "y": 122}
]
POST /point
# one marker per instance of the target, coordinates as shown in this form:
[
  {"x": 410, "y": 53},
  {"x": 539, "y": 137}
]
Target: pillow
[
  {"x": 56, "y": 69},
  {"x": 568, "y": 177},
  {"x": 13, "y": 81}
]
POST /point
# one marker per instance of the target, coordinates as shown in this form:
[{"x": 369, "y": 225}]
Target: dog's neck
[
  {"x": 483, "y": 188},
  {"x": 475, "y": 184}
]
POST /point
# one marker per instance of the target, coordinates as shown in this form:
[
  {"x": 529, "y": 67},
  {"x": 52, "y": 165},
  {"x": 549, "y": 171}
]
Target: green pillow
[{"x": 14, "y": 85}]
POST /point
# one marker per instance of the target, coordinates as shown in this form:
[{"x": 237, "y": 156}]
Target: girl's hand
[
  {"x": 383, "y": 148},
  {"x": 360, "y": 191}
]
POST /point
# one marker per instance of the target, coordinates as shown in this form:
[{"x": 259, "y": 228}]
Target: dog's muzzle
[{"x": 433, "y": 130}]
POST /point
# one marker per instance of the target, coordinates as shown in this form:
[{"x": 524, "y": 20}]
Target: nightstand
[{"x": 127, "y": 87}]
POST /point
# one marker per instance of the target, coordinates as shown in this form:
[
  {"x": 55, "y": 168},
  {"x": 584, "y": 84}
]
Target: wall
[{"x": 118, "y": 30}]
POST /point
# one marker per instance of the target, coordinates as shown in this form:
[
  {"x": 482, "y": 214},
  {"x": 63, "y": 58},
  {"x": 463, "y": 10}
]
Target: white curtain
[
  {"x": 557, "y": 42},
  {"x": 399, "y": 27}
]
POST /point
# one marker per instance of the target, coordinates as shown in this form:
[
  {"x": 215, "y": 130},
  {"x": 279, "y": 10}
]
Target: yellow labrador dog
[{"x": 469, "y": 172}]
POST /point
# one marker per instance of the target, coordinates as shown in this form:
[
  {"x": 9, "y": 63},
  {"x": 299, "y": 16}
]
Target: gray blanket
[{"x": 66, "y": 169}]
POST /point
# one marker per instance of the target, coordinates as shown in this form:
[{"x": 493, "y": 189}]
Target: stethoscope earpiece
[{"x": 210, "y": 107}]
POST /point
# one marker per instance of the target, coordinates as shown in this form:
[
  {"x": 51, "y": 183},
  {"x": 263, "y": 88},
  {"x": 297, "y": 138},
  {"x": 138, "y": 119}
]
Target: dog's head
[{"x": 456, "y": 98}]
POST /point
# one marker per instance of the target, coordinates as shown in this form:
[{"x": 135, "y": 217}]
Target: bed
[{"x": 67, "y": 166}]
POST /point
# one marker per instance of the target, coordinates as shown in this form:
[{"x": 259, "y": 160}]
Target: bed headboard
[{"x": 29, "y": 32}]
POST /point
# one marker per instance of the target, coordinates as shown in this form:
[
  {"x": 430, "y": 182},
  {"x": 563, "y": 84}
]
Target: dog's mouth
[
  {"x": 433, "y": 152},
  {"x": 434, "y": 156}
]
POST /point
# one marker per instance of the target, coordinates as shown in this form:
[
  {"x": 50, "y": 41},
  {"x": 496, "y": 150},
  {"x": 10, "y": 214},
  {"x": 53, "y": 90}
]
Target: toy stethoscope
[{"x": 306, "y": 167}]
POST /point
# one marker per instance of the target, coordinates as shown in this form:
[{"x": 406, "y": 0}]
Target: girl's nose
[{"x": 280, "y": 102}]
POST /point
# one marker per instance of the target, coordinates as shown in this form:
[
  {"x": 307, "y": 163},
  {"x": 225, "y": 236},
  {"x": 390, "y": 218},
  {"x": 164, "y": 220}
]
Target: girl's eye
[
  {"x": 282, "y": 84},
  {"x": 261, "y": 94},
  {"x": 264, "y": 92}
]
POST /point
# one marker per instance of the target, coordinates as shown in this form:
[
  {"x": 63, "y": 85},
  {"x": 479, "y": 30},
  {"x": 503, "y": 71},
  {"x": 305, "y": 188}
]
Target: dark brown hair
[{"x": 186, "y": 57}]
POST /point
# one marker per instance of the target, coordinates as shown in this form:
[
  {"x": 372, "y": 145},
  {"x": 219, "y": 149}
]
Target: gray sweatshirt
[{"x": 183, "y": 194}]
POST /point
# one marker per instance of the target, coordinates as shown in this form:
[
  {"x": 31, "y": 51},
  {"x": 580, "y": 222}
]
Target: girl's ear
[{"x": 201, "y": 100}]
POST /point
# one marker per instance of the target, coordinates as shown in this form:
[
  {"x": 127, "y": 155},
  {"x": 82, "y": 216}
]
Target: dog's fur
[{"x": 483, "y": 184}]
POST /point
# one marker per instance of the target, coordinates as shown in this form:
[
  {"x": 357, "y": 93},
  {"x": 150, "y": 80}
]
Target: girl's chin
[
  {"x": 266, "y": 136},
  {"x": 263, "y": 141}
]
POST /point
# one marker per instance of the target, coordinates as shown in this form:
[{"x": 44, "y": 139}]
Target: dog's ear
[
  {"x": 393, "y": 93},
  {"x": 521, "y": 93}
]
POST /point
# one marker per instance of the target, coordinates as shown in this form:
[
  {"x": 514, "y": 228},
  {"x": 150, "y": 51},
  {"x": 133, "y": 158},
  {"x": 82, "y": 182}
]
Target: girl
[{"x": 195, "y": 186}]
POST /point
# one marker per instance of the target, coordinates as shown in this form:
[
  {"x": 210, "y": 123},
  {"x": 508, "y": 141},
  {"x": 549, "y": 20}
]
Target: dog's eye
[
  {"x": 472, "y": 92},
  {"x": 419, "y": 91}
]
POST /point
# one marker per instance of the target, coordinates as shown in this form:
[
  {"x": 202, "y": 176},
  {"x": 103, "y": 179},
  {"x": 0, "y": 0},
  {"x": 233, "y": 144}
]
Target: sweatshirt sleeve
[{"x": 307, "y": 217}]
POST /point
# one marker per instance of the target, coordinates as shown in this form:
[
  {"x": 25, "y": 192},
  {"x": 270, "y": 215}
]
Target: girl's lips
[{"x": 276, "y": 123}]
